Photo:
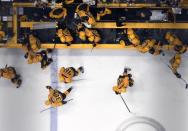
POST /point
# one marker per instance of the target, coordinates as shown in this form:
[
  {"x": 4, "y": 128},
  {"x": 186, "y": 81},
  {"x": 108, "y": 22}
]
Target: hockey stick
[
  {"x": 186, "y": 84},
  {"x": 125, "y": 103},
  {"x": 53, "y": 107},
  {"x": 46, "y": 109},
  {"x": 78, "y": 79}
]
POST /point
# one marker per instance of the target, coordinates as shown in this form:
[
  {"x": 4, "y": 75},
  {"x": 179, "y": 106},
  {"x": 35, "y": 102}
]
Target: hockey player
[
  {"x": 146, "y": 45},
  {"x": 10, "y": 74},
  {"x": 90, "y": 34},
  {"x": 175, "y": 63},
  {"x": 103, "y": 12},
  {"x": 31, "y": 43},
  {"x": 56, "y": 98},
  {"x": 34, "y": 42},
  {"x": 156, "y": 49},
  {"x": 2, "y": 35},
  {"x": 64, "y": 35},
  {"x": 180, "y": 48},
  {"x": 66, "y": 74},
  {"x": 133, "y": 37},
  {"x": 123, "y": 82},
  {"x": 93, "y": 36},
  {"x": 41, "y": 57},
  {"x": 173, "y": 40},
  {"x": 80, "y": 30},
  {"x": 82, "y": 12},
  {"x": 58, "y": 13}
]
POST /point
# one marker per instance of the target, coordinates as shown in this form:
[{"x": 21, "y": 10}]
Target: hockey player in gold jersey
[
  {"x": 66, "y": 74},
  {"x": 82, "y": 12},
  {"x": 57, "y": 98},
  {"x": 175, "y": 63},
  {"x": 123, "y": 82},
  {"x": 41, "y": 57},
  {"x": 10, "y": 73}
]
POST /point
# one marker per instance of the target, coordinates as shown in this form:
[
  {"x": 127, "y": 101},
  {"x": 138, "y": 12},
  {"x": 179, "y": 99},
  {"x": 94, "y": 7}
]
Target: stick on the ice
[
  {"x": 125, "y": 103},
  {"x": 79, "y": 79},
  {"x": 186, "y": 84},
  {"x": 52, "y": 107},
  {"x": 69, "y": 100},
  {"x": 46, "y": 109}
]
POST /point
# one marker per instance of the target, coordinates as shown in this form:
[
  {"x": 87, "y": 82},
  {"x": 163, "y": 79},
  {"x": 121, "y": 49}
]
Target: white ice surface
[{"x": 156, "y": 93}]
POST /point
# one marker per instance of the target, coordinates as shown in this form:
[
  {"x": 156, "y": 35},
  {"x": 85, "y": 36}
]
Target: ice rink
[{"x": 157, "y": 93}]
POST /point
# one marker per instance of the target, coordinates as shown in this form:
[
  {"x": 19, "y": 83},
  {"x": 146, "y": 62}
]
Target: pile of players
[
  {"x": 33, "y": 52},
  {"x": 56, "y": 98},
  {"x": 155, "y": 47},
  {"x": 84, "y": 21}
]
